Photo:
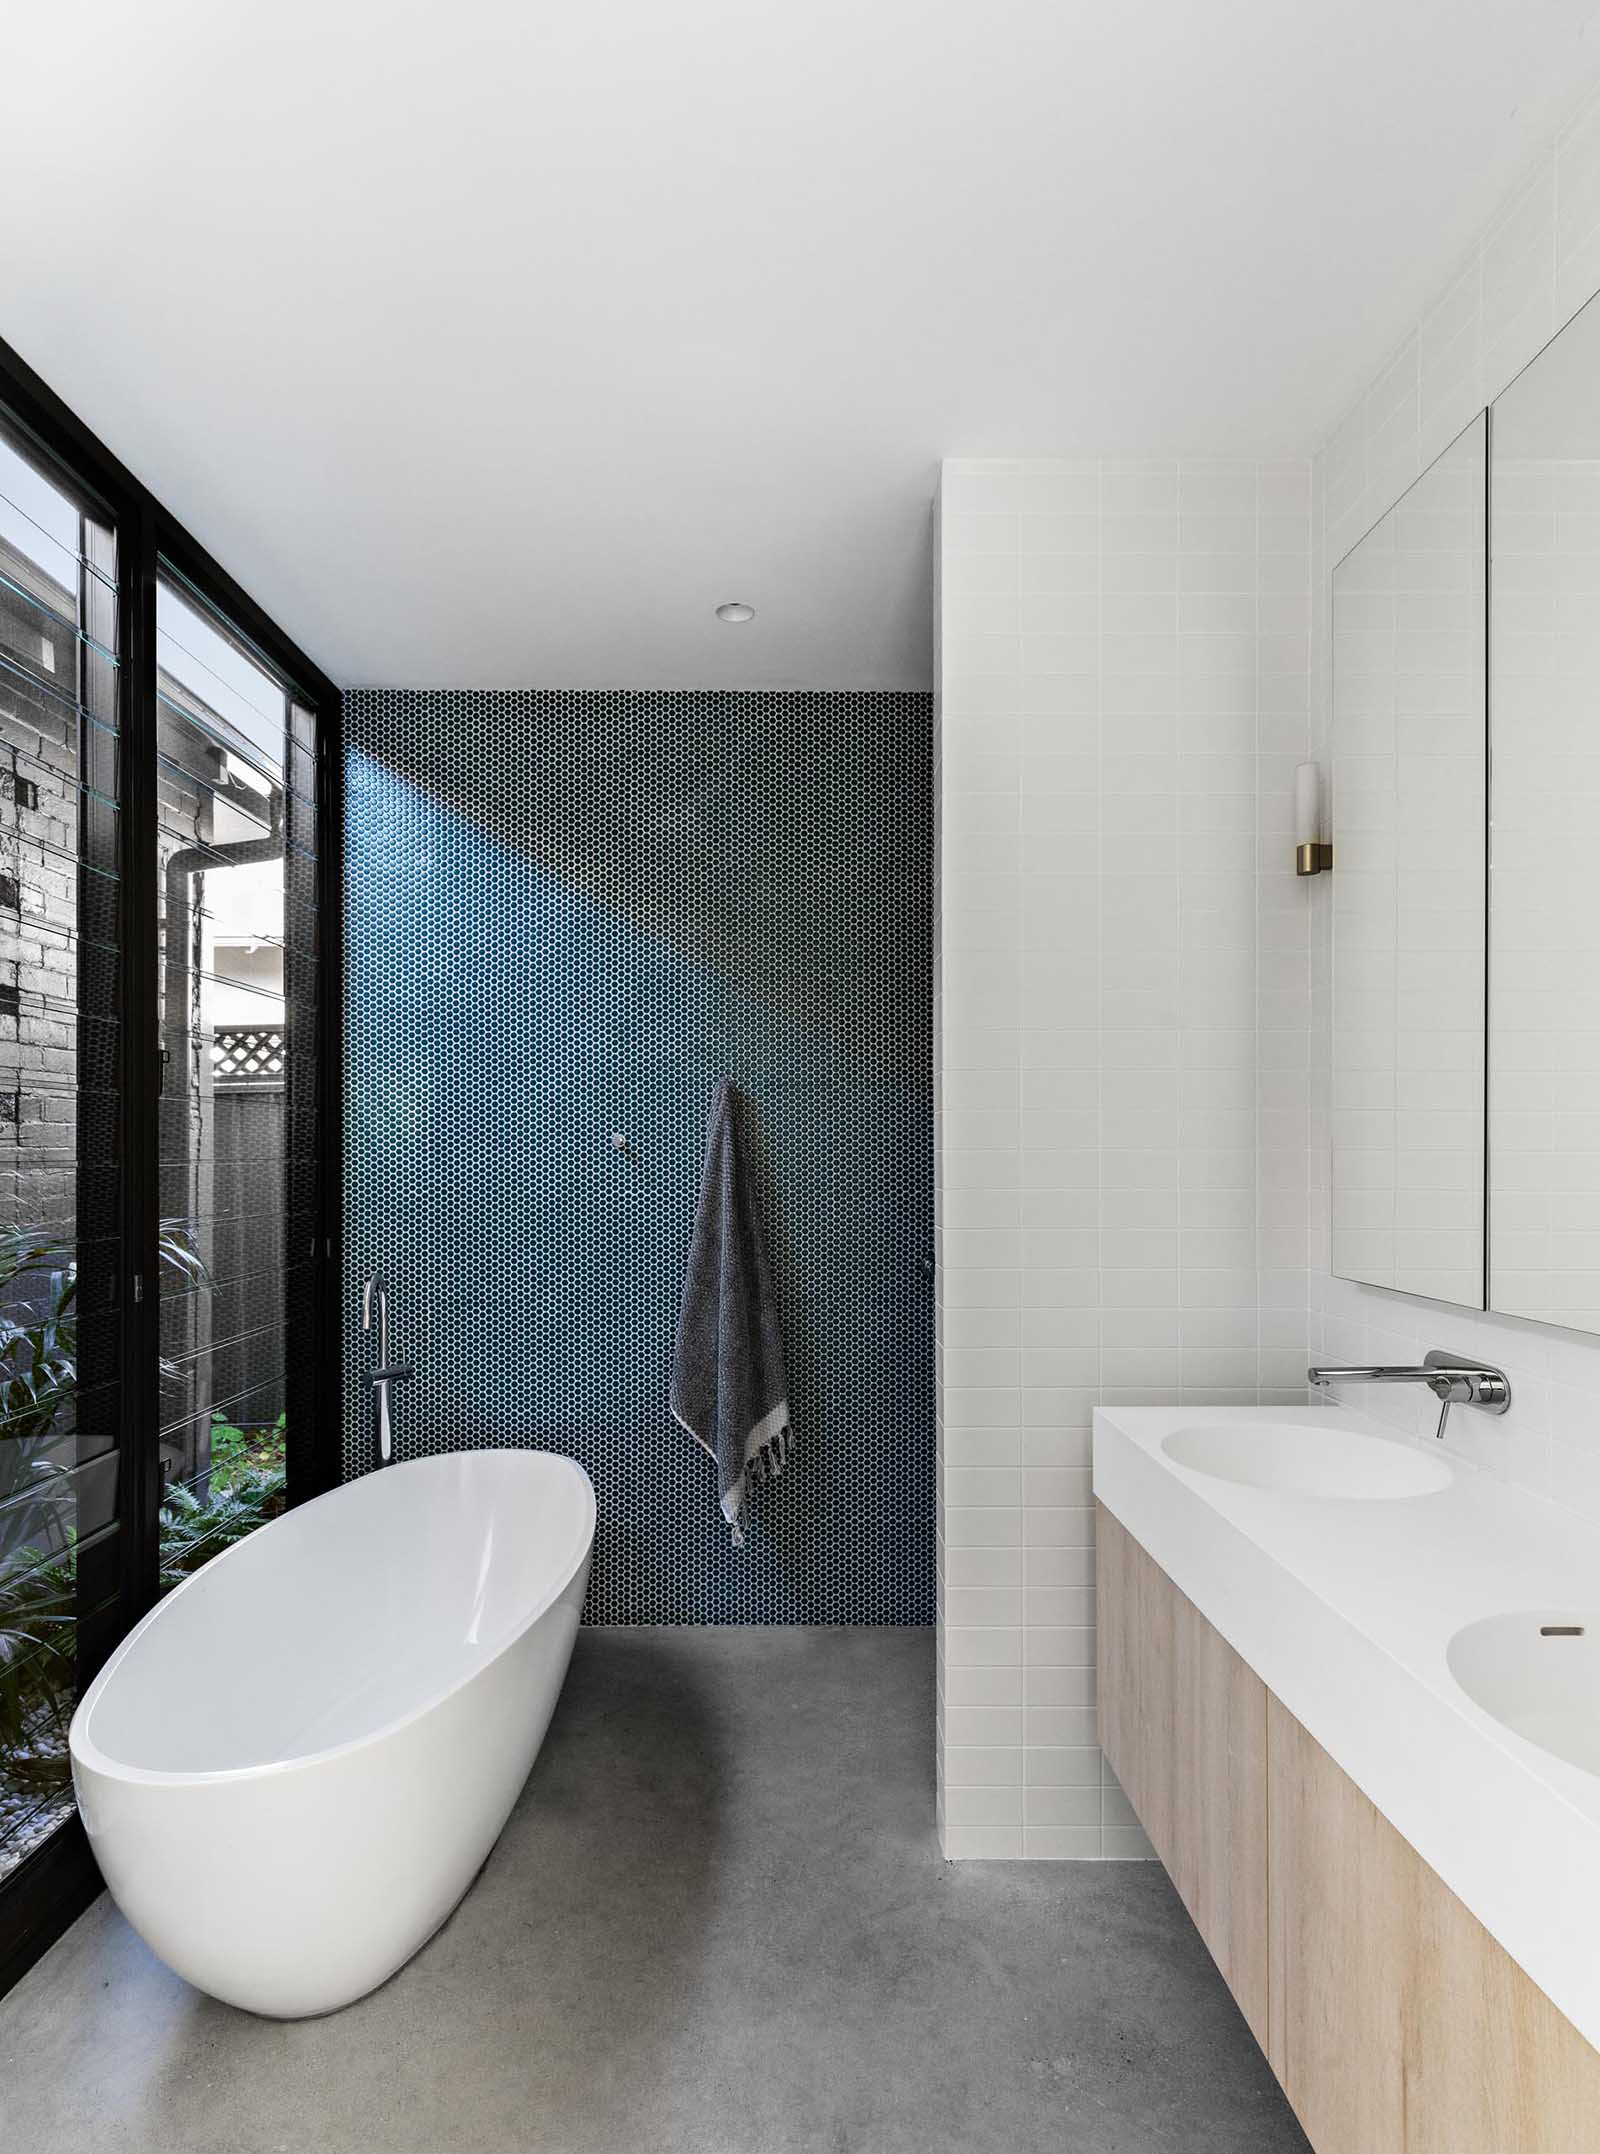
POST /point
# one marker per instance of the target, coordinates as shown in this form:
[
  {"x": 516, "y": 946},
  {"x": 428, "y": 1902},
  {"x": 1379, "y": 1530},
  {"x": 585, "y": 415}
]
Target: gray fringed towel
[{"x": 730, "y": 1388}]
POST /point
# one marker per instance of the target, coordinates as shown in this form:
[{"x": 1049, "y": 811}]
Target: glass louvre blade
[
  {"x": 41, "y": 524},
  {"x": 245, "y": 1304},
  {"x": 44, "y": 629}
]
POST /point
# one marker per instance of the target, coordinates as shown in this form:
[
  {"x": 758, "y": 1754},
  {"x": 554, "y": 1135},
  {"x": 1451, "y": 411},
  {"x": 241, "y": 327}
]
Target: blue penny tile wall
[{"x": 568, "y": 915}]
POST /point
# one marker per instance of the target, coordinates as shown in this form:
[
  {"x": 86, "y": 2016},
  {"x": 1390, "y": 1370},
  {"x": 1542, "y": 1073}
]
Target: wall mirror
[
  {"x": 1544, "y": 885},
  {"x": 1409, "y": 776}
]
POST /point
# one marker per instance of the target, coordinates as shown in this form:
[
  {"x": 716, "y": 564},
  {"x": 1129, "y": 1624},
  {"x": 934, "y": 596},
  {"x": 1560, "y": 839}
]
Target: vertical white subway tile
[{"x": 1133, "y": 638}]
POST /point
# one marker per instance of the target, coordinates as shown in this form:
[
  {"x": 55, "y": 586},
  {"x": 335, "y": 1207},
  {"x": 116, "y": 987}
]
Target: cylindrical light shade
[{"x": 1307, "y": 803}]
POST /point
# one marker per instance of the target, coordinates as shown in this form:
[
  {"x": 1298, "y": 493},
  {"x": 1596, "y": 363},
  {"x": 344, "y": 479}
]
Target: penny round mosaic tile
[{"x": 568, "y": 915}]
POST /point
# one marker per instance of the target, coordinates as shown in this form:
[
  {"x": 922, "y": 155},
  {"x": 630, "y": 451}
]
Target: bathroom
[{"x": 798, "y": 1308}]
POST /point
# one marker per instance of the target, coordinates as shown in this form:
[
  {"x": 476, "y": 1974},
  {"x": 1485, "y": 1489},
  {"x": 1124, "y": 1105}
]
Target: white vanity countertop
[{"x": 1345, "y": 1609}]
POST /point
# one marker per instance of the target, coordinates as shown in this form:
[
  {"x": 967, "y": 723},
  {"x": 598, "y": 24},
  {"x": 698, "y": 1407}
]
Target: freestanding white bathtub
[{"x": 293, "y": 1768}]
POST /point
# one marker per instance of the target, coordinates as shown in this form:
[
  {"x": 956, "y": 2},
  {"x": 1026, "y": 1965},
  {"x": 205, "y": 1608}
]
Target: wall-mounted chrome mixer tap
[{"x": 1452, "y": 1381}]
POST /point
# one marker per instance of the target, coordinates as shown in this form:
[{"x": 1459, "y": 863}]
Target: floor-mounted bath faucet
[
  {"x": 1452, "y": 1381},
  {"x": 384, "y": 1372}
]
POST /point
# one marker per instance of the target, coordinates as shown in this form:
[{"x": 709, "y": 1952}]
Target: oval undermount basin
[
  {"x": 1290, "y": 1458},
  {"x": 1539, "y": 1676}
]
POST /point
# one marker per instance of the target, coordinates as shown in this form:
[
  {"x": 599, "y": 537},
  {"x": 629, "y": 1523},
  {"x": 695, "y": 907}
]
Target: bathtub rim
[{"x": 82, "y": 1749}]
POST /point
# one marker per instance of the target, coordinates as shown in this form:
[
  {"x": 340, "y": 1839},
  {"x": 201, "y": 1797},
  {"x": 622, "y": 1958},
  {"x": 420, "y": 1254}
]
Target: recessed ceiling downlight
[{"x": 736, "y": 610}]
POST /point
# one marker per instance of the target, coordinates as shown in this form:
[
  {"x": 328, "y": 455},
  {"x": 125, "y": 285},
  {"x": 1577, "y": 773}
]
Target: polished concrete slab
[{"x": 717, "y": 1923}]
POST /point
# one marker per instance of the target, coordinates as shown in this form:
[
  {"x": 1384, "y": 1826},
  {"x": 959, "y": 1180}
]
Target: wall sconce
[{"x": 1312, "y": 855}]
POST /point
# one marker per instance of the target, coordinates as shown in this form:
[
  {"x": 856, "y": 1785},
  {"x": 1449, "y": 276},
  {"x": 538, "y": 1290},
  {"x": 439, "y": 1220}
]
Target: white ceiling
[{"x": 493, "y": 343}]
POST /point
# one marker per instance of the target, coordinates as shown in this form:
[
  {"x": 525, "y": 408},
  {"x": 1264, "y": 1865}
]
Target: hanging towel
[{"x": 729, "y": 1385}]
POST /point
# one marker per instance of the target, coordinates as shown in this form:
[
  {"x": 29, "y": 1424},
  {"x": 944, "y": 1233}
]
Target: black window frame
[{"x": 53, "y": 1885}]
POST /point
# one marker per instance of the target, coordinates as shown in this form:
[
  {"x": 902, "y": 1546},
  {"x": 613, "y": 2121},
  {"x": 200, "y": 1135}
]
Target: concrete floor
[{"x": 717, "y": 1923}]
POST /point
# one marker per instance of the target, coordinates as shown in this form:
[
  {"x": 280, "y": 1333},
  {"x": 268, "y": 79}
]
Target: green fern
[
  {"x": 194, "y": 1529},
  {"x": 38, "y": 1659},
  {"x": 38, "y": 1541}
]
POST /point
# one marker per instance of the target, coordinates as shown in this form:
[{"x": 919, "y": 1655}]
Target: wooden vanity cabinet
[
  {"x": 1398, "y": 2025},
  {"x": 1184, "y": 1723},
  {"x": 1393, "y": 2021}
]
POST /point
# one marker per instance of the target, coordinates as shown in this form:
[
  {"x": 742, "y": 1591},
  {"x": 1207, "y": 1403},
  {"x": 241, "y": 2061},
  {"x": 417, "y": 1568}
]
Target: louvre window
[
  {"x": 168, "y": 1329},
  {"x": 236, "y": 909},
  {"x": 61, "y": 913}
]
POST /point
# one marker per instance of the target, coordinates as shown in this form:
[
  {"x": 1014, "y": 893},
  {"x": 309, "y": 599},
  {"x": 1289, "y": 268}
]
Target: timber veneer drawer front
[
  {"x": 1184, "y": 1724},
  {"x": 1392, "y": 2019},
  {"x": 1398, "y": 2025}
]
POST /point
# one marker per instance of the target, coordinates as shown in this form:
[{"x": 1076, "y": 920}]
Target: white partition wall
[{"x": 1122, "y": 1023}]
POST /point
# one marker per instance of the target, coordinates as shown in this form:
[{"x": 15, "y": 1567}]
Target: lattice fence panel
[{"x": 248, "y": 1055}]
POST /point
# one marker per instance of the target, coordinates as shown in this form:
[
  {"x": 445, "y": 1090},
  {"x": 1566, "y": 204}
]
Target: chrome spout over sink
[{"x": 1452, "y": 1381}]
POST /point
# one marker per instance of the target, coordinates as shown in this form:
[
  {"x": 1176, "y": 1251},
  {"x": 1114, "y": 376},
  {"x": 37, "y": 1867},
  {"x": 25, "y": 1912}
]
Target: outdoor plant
[
  {"x": 235, "y": 1449},
  {"x": 38, "y": 1366},
  {"x": 38, "y": 1370},
  {"x": 194, "y": 1529},
  {"x": 38, "y": 1651}
]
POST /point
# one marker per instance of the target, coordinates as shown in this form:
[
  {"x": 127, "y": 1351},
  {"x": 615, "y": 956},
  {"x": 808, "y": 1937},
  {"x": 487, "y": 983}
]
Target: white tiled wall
[
  {"x": 1123, "y": 1029},
  {"x": 1538, "y": 262},
  {"x": 1134, "y": 1050}
]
